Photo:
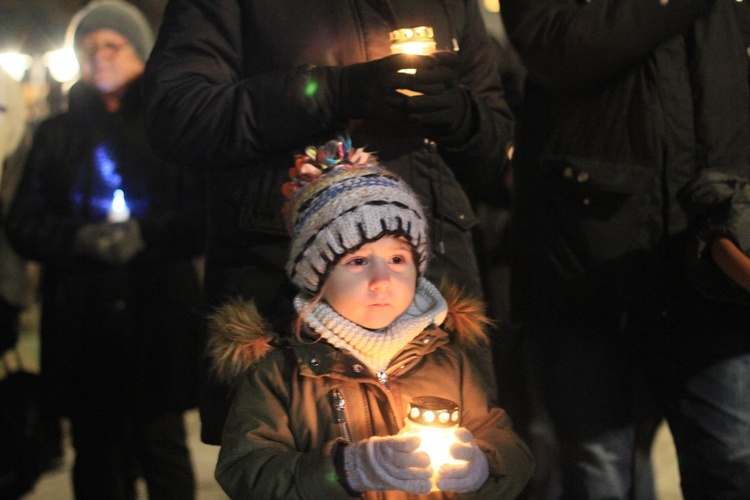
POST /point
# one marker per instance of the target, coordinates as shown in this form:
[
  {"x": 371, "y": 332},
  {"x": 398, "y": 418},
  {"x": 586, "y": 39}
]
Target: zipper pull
[
  {"x": 383, "y": 378},
  {"x": 339, "y": 405}
]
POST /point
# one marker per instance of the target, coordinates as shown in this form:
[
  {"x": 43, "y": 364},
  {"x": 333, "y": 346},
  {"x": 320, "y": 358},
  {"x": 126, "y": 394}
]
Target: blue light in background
[{"x": 107, "y": 167}]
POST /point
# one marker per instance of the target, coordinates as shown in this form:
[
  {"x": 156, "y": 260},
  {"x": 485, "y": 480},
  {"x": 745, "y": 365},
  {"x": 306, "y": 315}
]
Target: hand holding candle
[
  {"x": 470, "y": 468},
  {"x": 442, "y": 104},
  {"x": 368, "y": 90},
  {"x": 387, "y": 463}
]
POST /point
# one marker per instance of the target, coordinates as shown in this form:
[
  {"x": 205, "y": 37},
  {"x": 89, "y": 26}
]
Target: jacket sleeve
[
  {"x": 201, "y": 103},
  {"x": 485, "y": 148},
  {"x": 33, "y": 228},
  {"x": 259, "y": 456},
  {"x": 570, "y": 44},
  {"x": 179, "y": 229},
  {"x": 511, "y": 462}
]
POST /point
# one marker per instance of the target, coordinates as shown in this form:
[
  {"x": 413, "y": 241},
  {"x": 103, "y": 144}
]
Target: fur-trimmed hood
[{"x": 240, "y": 337}]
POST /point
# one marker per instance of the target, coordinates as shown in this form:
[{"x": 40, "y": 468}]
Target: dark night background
[{"x": 37, "y": 26}]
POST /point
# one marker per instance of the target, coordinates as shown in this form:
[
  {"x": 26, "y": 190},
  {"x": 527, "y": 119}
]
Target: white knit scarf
[{"x": 376, "y": 348}]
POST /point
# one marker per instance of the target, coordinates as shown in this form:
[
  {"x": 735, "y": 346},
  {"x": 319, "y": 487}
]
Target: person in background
[
  {"x": 116, "y": 230},
  {"x": 14, "y": 145},
  {"x": 632, "y": 153},
  {"x": 318, "y": 413},
  {"x": 240, "y": 86}
]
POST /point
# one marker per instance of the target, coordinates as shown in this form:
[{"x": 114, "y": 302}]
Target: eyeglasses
[{"x": 108, "y": 50}]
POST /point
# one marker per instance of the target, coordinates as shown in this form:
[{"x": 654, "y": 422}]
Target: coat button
[
  {"x": 568, "y": 172},
  {"x": 582, "y": 176},
  {"x": 314, "y": 362},
  {"x": 357, "y": 368}
]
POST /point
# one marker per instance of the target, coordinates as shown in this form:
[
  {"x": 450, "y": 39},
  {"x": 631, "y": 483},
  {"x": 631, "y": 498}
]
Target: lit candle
[
  {"x": 435, "y": 421},
  {"x": 416, "y": 41},
  {"x": 119, "y": 211}
]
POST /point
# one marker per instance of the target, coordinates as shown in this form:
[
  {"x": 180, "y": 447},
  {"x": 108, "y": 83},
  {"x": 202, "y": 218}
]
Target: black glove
[
  {"x": 114, "y": 244},
  {"x": 444, "y": 106},
  {"x": 368, "y": 90}
]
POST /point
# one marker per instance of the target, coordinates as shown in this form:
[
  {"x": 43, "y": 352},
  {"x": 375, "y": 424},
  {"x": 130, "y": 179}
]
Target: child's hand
[
  {"x": 388, "y": 463},
  {"x": 465, "y": 476}
]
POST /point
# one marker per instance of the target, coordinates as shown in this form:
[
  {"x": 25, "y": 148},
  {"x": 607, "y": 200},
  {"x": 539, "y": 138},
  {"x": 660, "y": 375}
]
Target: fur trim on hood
[{"x": 240, "y": 337}]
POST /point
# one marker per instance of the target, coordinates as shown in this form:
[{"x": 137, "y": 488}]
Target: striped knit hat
[{"x": 339, "y": 199}]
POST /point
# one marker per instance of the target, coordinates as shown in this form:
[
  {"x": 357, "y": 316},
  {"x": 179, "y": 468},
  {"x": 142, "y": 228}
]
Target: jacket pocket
[
  {"x": 602, "y": 211},
  {"x": 595, "y": 188}
]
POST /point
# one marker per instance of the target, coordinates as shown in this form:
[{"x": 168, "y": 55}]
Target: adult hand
[
  {"x": 114, "y": 244},
  {"x": 388, "y": 463},
  {"x": 368, "y": 90},
  {"x": 443, "y": 106},
  {"x": 468, "y": 475}
]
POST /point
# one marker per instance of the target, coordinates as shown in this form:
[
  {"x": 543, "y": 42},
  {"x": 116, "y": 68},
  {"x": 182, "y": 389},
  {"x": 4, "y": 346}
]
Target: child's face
[{"x": 374, "y": 285}]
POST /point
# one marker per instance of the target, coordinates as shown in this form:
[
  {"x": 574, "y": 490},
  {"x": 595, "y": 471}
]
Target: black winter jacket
[
  {"x": 627, "y": 103},
  {"x": 112, "y": 335},
  {"x": 226, "y": 82}
]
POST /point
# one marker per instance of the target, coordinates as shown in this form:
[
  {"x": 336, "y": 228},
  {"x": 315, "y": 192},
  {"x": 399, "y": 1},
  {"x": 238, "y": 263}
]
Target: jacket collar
[{"x": 240, "y": 337}]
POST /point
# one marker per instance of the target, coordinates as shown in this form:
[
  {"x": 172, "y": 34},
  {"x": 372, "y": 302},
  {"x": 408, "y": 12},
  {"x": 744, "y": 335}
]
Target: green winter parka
[{"x": 297, "y": 398}]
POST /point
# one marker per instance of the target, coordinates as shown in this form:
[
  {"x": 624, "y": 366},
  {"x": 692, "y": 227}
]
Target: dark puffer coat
[
  {"x": 286, "y": 417},
  {"x": 627, "y": 104},
  {"x": 112, "y": 335}
]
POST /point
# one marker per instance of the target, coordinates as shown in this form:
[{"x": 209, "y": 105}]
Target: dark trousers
[
  {"x": 113, "y": 450},
  {"x": 691, "y": 356}
]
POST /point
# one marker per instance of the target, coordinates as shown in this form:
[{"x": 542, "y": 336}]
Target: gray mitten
[
  {"x": 388, "y": 463},
  {"x": 465, "y": 476},
  {"x": 114, "y": 244}
]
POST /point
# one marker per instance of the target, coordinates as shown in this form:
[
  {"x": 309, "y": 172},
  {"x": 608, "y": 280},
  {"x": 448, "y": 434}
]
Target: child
[{"x": 316, "y": 415}]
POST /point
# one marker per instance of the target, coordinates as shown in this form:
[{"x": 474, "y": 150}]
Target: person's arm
[
  {"x": 202, "y": 107},
  {"x": 177, "y": 229},
  {"x": 33, "y": 228},
  {"x": 575, "y": 45},
  {"x": 734, "y": 263},
  {"x": 259, "y": 456},
  {"x": 482, "y": 151},
  {"x": 511, "y": 463}
]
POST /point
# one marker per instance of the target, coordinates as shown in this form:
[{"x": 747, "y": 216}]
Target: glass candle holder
[
  {"x": 415, "y": 41},
  {"x": 435, "y": 421}
]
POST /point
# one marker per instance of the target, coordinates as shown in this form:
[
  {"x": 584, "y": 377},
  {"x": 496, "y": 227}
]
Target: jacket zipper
[
  {"x": 383, "y": 376},
  {"x": 339, "y": 408},
  {"x": 383, "y": 379}
]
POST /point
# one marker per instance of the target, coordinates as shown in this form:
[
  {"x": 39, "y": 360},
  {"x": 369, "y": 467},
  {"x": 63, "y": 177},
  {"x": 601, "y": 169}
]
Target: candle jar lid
[
  {"x": 406, "y": 39},
  {"x": 433, "y": 411}
]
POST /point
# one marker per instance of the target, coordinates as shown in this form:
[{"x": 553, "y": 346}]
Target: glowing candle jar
[
  {"x": 415, "y": 41},
  {"x": 435, "y": 421},
  {"x": 119, "y": 211}
]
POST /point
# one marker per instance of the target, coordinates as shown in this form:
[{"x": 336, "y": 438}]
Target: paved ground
[{"x": 55, "y": 485}]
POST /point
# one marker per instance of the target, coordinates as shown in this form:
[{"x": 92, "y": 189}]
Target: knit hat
[
  {"x": 117, "y": 15},
  {"x": 340, "y": 198}
]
